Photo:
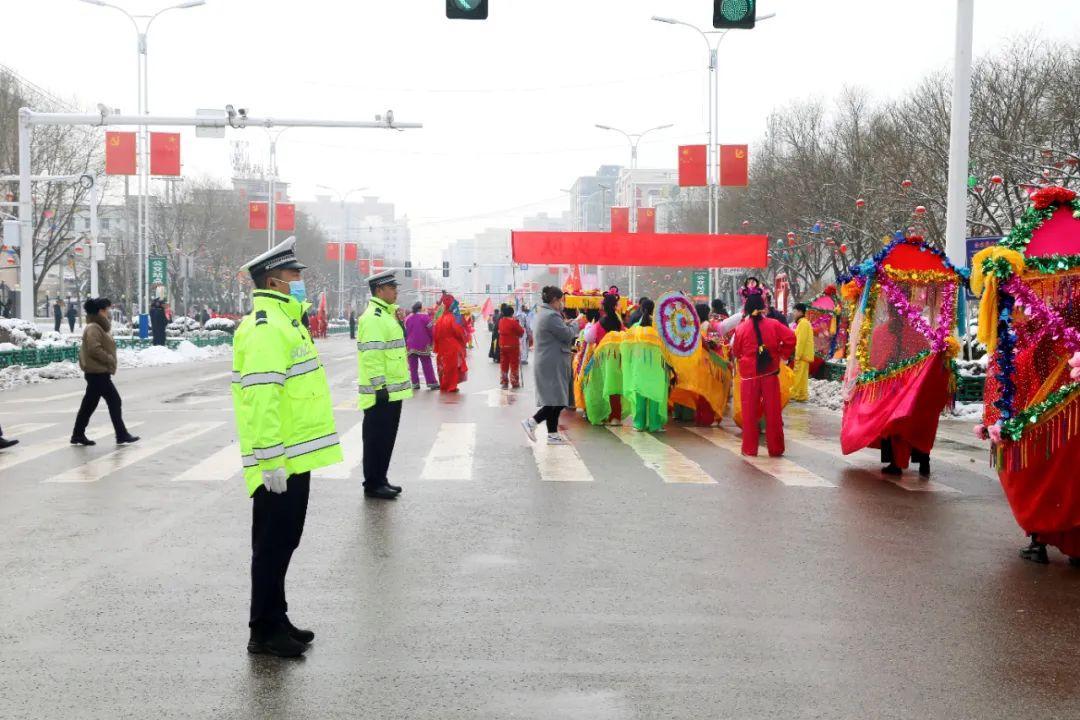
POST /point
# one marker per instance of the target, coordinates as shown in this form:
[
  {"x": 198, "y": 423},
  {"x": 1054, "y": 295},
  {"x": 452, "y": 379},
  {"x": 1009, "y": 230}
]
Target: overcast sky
[{"x": 509, "y": 104}]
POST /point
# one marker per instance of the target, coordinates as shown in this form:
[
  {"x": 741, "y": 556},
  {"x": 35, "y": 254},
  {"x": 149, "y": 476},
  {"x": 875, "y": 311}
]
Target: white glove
[{"x": 276, "y": 480}]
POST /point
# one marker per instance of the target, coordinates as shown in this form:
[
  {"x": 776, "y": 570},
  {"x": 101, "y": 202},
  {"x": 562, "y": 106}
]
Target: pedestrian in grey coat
[{"x": 553, "y": 340}]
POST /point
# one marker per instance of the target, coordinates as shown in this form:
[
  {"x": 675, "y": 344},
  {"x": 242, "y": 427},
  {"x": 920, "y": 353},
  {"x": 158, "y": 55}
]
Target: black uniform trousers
[
  {"x": 277, "y": 522},
  {"x": 98, "y": 386},
  {"x": 380, "y": 433}
]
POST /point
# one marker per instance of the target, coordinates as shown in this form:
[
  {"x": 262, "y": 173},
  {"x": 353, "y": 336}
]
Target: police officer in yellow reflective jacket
[
  {"x": 383, "y": 382},
  {"x": 285, "y": 422}
]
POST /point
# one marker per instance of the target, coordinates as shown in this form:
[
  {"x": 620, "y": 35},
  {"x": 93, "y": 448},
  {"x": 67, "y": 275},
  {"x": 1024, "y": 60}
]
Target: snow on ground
[
  {"x": 828, "y": 394},
  {"x": 17, "y": 375}
]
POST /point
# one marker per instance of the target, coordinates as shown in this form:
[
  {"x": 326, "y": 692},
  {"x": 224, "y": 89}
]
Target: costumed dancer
[
  {"x": 602, "y": 383},
  {"x": 645, "y": 374},
  {"x": 510, "y": 335},
  {"x": 760, "y": 345},
  {"x": 702, "y": 378},
  {"x": 900, "y": 373},
  {"x": 419, "y": 341},
  {"x": 1029, "y": 321},
  {"x": 804, "y": 354},
  {"x": 450, "y": 344},
  {"x": 469, "y": 324},
  {"x": 493, "y": 328},
  {"x": 522, "y": 316}
]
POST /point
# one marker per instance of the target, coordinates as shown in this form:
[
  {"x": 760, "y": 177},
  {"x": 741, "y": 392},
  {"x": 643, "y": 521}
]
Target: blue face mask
[{"x": 298, "y": 290}]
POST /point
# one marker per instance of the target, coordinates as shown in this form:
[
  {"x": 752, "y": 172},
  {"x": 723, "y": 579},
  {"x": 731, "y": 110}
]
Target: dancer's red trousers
[{"x": 762, "y": 394}]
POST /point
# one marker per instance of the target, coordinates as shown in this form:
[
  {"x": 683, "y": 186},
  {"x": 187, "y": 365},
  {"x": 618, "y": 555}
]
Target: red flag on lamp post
[
  {"x": 693, "y": 166},
  {"x": 620, "y": 219},
  {"x": 119, "y": 153},
  {"x": 164, "y": 153},
  {"x": 734, "y": 166},
  {"x": 646, "y": 220},
  {"x": 258, "y": 215},
  {"x": 365, "y": 267},
  {"x": 284, "y": 216},
  {"x": 350, "y": 252},
  {"x": 332, "y": 251}
]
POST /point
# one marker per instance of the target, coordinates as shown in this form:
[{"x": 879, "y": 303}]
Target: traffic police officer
[
  {"x": 383, "y": 382},
  {"x": 285, "y": 422}
]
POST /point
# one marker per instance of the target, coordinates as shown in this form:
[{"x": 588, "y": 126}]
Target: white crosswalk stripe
[
  {"x": 14, "y": 431},
  {"x": 783, "y": 469},
  {"x": 105, "y": 465},
  {"x": 670, "y": 464},
  {"x": 48, "y": 398},
  {"x": 352, "y": 446},
  {"x": 860, "y": 460},
  {"x": 222, "y": 465},
  {"x": 451, "y": 457},
  {"x": 27, "y": 452},
  {"x": 559, "y": 463}
]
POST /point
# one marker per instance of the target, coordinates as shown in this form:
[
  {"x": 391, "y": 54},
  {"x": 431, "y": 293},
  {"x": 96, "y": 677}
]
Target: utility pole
[{"x": 959, "y": 136}]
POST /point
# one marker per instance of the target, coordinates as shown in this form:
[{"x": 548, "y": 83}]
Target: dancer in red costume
[
  {"x": 450, "y": 344},
  {"x": 759, "y": 346}
]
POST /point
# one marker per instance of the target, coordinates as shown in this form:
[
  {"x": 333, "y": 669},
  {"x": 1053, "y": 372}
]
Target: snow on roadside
[
  {"x": 828, "y": 394},
  {"x": 17, "y": 375}
]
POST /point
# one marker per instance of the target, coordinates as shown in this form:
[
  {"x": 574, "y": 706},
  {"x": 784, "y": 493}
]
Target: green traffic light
[
  {"x": 731, "y": 10},
  {"x": 467, "y": 5}
]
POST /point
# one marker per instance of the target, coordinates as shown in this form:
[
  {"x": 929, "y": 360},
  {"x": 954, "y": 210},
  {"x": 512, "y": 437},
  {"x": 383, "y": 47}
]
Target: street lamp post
[
  {"x": 956, "y": 210},
  {"x": 143, "y": 170},
  {"x": 342, "y": 197},
  {"x": 712, "y": 152}
]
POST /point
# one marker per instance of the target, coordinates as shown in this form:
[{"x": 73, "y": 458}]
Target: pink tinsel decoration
[
  {"x": 938, "y": 336},
  {"x": 1040, "y": 316}
]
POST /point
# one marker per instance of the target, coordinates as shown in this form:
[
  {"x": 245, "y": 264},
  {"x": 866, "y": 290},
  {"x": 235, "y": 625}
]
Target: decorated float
[
  {"x": 900, "y": 372},
  {"x": 824, "y": 313},
  {"x": 1029, "y": 321}
]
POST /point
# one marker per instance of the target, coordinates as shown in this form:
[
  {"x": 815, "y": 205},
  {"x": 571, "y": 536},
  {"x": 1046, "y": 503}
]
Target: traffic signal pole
[{"x": 29, "y": 118}]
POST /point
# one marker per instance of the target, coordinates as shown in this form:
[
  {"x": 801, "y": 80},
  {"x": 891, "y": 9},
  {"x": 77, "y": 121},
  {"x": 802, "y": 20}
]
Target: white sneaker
[
  {"x": 557, "y": 440},
  {"x": 529, "y": 426}
]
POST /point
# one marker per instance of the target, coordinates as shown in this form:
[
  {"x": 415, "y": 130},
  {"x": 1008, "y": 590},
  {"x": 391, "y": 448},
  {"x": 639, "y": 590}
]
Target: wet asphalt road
[{"x": 498, "y": 589}]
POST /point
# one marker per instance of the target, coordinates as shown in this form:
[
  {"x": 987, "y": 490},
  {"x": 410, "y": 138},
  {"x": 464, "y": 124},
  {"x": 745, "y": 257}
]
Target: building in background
[
  {"x": 591, "y": 199},
  {"x": 370, "y": 223},
  {"x": 644, "y": 188}
]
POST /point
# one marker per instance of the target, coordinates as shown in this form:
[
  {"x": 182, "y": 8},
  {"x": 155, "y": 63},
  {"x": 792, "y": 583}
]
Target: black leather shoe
[
  {"x": 82, "y": 440},
  {"x": 893, "y": 470},
  {"x": 1036, "y": 553},
  {"x": 395, "y": 488},
  {"x": 304, "y": 636},
  {"x": 382, "y": 493},
  {"x": 4, "y": 444},
  {"x": 127, "y": 439},
  {"x": 277, "y": 642}
]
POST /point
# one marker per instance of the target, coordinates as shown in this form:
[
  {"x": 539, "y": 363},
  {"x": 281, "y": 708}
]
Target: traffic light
[
  {"x": 734, "y": 14},
  {"x": 408, "y": 268},
  {"x": 445, "y": 269},
  {"x": 467, "y": 9}
]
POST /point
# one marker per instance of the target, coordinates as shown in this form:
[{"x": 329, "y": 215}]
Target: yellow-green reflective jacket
[
  {"x": 382, "y": 359},
  {"x": 284, "y": 415}
]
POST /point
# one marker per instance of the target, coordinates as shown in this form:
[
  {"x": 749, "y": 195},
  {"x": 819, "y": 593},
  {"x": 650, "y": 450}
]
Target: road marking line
[
  {"x": 216, "y": 376},
  {"x": 786, "y": 471},
  {"x": 23, "y": 452},
  {"x": 451, "y": 457},
  {"x": 498, "y": 397},
  {"x": 856, "y": 460},
  {"x": 220, "y": 466},
  {"x": 124, "y": 456},
  {"x": 670, "y": 464},
  {"x": 559, "y": 463},
  {"x": 349, "y": 404},
  {"x": 14, "y": 431},
  {"x": 352, "y": 445},
  {"x": 49, "y": 398}
]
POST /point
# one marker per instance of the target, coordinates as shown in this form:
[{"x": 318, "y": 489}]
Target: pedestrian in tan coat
[{"x": 97, "y": 358}]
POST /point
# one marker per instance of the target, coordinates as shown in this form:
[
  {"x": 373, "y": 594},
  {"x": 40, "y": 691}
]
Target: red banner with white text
[{"x": 635, "y": 249}]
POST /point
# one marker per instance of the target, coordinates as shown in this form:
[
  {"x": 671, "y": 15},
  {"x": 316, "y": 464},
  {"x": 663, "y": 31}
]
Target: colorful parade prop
[
  {"x": 678, "y": 323},
  {"x": 1029, "y": 320},
  {"x": 824, "y": 313},
  {"x": 702, "y": 376},
  {"x": 900, "y": 373}
]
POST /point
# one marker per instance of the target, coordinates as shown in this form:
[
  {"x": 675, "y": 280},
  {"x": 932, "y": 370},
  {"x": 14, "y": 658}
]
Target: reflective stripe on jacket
[
  {"x": 284, "y": 416},
  {"x": 382, "y": 360}
]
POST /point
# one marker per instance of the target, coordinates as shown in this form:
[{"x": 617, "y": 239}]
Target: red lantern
[
  {"x": 1071, "y": 160},
  {"x": 1059, "y": 165},
  {"x": 790, "y": 242},
  {"x": 791, "y": 237},
  {"x": 1047, "y": 152},
  {"x": 997, "y": 179},
  {"x": 979, "y": 189},
  {"x": 911, "y": 230},
  {"x": 860, "y": 203},
  {"x": 920, "y": 210},
  {"x": 1046, "y": 173},
  {"x": 906, "y": 184},
  {"x": 843, "y": 249}
]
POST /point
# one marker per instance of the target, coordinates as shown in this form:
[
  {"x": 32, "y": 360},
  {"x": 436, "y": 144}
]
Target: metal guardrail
[{"x": 40, "y": 357}]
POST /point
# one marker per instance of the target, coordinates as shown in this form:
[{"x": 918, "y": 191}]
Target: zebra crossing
[{"x": 451, "y": 455}]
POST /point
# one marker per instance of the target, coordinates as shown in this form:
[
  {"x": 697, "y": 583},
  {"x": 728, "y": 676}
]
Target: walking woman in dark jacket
[{"x": 97, "y": 358}]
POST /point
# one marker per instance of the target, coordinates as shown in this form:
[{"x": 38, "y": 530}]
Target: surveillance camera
[
  {"x": 102, "y": 109},
  {"x": 243, "y": 112},
  {"x": 230, "y": 111}
]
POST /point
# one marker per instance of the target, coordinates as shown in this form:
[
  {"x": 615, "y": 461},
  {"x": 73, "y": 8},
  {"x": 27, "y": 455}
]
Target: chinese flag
[
  {"x": 693, "y": 166},
  {"x": 365, "y": 267},
  {"x": 646, "y": 220},
  {"x": 350, "y": 252},
  {"x": 119, "y": 153},
  {"x": 620, "y": 219},
  {"x": 573, "y": 280},
  {"x": 332, "y": 251},
  {"x": 284, "y": 216},
  {"x": 734, "y": 166},
  {"x": 376, "y": 265},
  {"x": 164, "y": 153},
  {"x": 258, "y": 216}
]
